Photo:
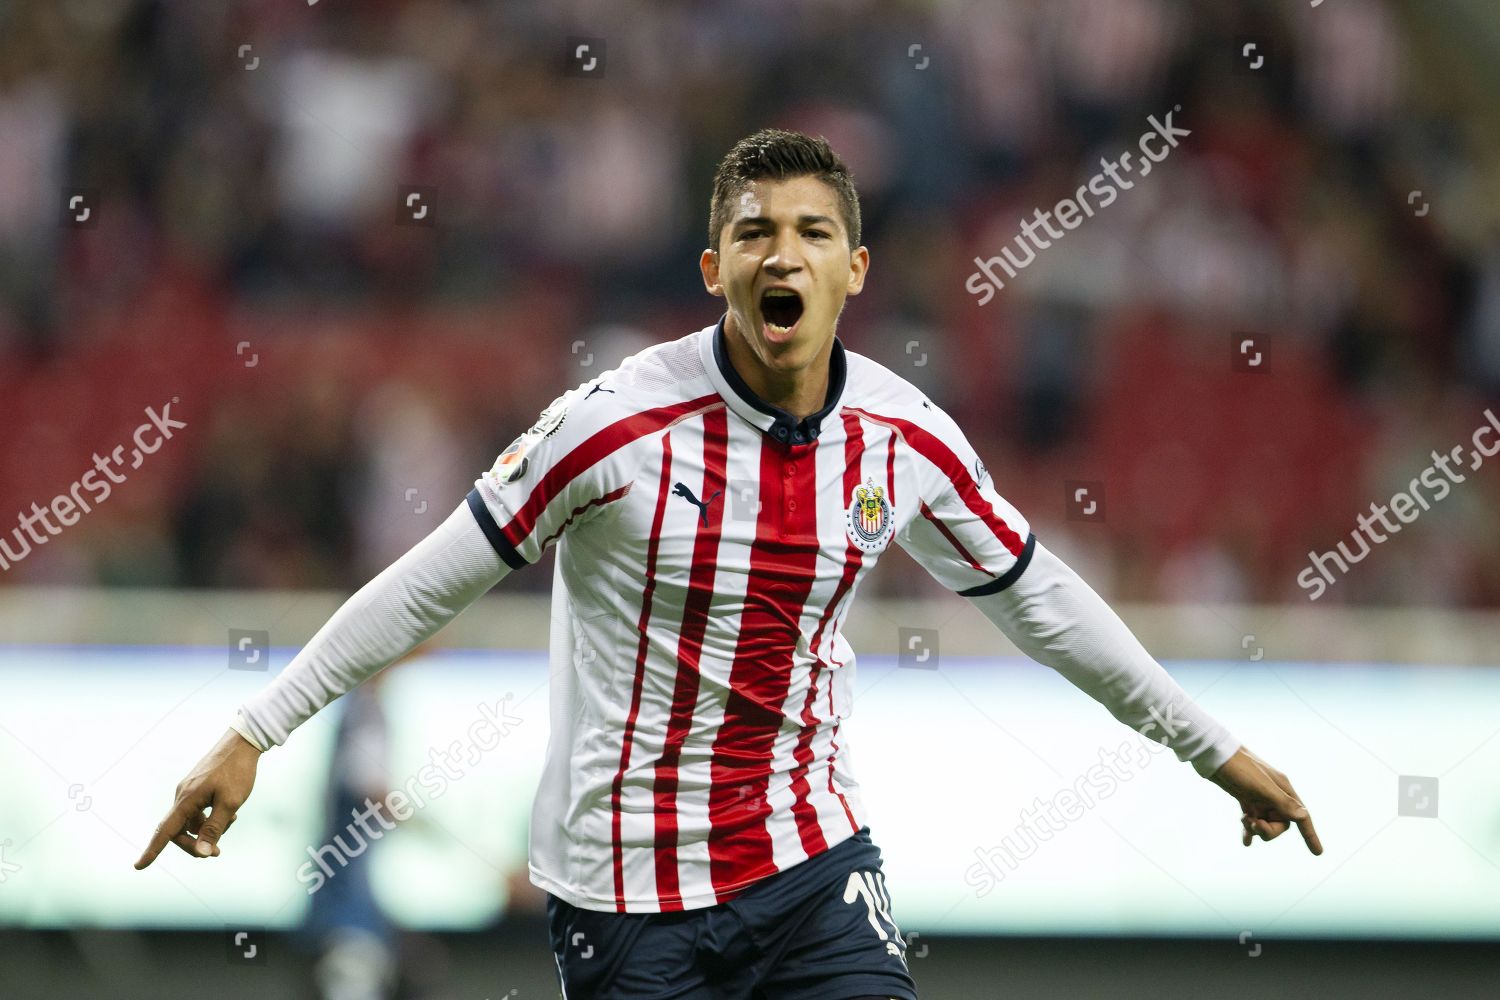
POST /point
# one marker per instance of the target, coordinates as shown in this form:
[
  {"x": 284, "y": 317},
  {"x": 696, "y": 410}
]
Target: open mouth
[{"x": 781, "y": 308}]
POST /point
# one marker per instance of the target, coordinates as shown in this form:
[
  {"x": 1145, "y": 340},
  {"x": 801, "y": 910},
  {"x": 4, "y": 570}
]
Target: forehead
[{"x": 787, "y": 198}]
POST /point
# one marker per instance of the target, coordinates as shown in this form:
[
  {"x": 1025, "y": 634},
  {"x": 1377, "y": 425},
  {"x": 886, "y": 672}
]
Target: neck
[{"x": 800, "y": 392}]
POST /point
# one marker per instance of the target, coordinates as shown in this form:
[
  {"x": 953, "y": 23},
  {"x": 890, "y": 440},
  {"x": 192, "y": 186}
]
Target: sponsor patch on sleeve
[{"x": 514, "y": 462}]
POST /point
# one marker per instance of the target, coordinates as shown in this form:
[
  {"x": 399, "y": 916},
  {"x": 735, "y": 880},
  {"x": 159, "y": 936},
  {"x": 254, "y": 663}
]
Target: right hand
[{"x": 221, "y": 782}]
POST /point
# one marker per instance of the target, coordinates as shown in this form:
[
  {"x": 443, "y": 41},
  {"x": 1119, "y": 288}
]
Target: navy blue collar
[{"x": 781, "y": 425}]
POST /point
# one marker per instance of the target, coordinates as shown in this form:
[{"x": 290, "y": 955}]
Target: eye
[
  {"x": 817, "y": 232},
  {"x": 747, "y": 234}
]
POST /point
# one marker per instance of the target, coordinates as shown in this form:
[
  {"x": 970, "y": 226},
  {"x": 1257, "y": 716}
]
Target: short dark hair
[{"x": 778, "y": 154}]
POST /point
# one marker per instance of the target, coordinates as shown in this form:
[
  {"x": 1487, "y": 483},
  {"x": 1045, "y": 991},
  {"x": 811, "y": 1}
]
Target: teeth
[{"x": 779, "y": 293}]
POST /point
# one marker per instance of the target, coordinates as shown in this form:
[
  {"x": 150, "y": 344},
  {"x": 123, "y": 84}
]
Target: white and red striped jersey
[{"x": 709, "y": 547}]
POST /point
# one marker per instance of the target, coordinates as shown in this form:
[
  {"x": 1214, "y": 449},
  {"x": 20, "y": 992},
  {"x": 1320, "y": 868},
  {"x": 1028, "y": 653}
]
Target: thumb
[{"x": 218, "y": 821}]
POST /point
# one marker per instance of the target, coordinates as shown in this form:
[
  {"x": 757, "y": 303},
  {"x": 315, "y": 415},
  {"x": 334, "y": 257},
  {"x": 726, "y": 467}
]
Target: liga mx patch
[
  {"x": 513, "y": 461},
  {"x": 870, "y": 524}
]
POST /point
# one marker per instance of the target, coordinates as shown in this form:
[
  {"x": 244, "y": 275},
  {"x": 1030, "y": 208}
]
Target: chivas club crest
[{"x": 870, "y": 522}]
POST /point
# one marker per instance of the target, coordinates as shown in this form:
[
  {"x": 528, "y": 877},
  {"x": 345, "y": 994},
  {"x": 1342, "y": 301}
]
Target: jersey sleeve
[
  {"x": 1056, "y": 619},
  {"x": 560, "y": 473},
  {"x": 964, "y": 533}
]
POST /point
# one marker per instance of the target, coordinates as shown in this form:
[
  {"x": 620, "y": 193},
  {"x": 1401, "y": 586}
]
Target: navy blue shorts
[{"x": 820, "y": 930}]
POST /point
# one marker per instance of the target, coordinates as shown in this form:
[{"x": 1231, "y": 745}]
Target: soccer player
[{"x": 715, "y": 502}]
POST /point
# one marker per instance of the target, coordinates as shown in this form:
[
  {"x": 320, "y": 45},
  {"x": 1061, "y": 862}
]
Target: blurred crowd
[{"x": 212, "y": 200}]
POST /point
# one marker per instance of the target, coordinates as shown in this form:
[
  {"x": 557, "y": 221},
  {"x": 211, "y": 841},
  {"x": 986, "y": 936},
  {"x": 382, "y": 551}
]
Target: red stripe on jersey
[
  {"x": 597, "y": 447},
  {"x": 932, "y": 448},
  {"x": 783, "y": 562},
  {"x": 808, "y": 827},
  {"x": 640, "y": 669},
  {"x": 607, "y": 498},
  {"x": 832, "y": 742},
  {"x": 890, "y": 468},
  {"x": 952, "y": 538},
  {"x": 695, "y": 606}
]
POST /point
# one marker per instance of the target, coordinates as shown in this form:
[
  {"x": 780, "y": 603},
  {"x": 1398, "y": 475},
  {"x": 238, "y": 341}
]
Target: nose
[{"x": 786, "y": 253}]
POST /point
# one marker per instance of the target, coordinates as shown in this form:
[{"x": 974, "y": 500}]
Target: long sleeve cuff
[{"x": 239, "y": 725}]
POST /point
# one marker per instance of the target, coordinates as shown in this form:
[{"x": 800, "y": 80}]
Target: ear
[
  {"x": 709, "y": 265},
  {"x": 859, "y": 265}
]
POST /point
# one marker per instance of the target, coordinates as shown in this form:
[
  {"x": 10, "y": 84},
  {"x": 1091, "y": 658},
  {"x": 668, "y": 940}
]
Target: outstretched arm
[
  {"x": 387, "y": 618},
  {"x": 1053, "y": 616}
]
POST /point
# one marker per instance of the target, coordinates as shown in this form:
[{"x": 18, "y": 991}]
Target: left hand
[{"x": 1270, "y": 803}]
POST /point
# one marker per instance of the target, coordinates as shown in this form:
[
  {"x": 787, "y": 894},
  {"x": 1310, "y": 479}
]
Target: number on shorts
[{"x": 870, "y": 886}]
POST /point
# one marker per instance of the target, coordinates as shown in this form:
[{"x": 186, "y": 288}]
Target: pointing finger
[
  {"x": 1309, "y": 835},
  {"x": 169, "y": 828}
]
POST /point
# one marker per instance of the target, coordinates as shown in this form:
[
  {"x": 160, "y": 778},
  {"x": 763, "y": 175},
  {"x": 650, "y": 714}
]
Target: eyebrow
[{"x": 802, "y": 220}]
